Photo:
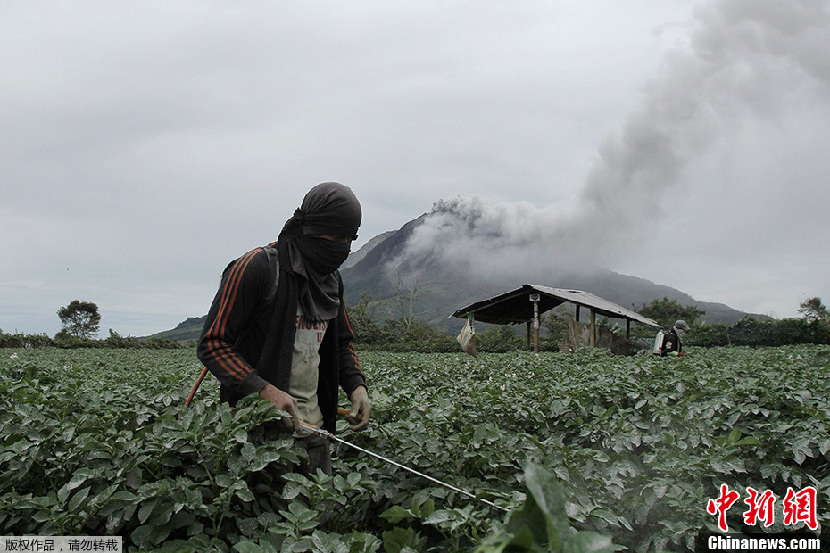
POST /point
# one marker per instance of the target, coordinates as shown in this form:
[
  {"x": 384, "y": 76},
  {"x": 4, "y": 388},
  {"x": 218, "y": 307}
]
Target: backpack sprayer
[{"x": 311, "y": 429}]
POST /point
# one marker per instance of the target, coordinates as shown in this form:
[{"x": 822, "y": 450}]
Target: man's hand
[
  {"x": 358, "y": 417},
  {"x": 283, "y": 402}
]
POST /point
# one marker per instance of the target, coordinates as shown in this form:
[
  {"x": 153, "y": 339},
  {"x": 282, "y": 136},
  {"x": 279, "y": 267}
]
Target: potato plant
[{"x": 584, "y": 452}]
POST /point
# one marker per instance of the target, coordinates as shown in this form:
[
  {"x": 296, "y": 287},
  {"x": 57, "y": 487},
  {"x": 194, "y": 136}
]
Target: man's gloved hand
[{"x": 358, "y": 417}]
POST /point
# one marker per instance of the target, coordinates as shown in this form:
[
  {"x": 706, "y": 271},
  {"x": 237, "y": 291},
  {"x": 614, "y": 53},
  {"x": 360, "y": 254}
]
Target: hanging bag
[{"x": 467, "y": 338}]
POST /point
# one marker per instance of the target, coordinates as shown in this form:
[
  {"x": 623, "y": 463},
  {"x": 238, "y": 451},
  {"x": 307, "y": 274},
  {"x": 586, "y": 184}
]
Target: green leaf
[
  {"x": 63, "y": 493},
  {"x": 399, "y": 539},
  {"x": 354, "y": 478},
  {"x": 588, "y": 542},
  {"x": 161, "y": 514},
  {"x": 395, "y": 514},
  {"x": 328, "y": 543},
  {"x": 241, "y": 436},
  {"x": 43, "y": 516},
  {"x": 123, "y": 495},
  {"x": 247, "y": 546},
  {"x": 263, "y": 459},
  {"x": 245, "y": 494},
  {"x": 224, "y": 481},
  {"x": 146, "y": 509},
  {"x": 425, "y": 509},
  {"x": 548, "y": 498},
  {"x": 77, "y": 499},
  {"x": 143, "y": 537},
  {"x": 79, "y": 477}
]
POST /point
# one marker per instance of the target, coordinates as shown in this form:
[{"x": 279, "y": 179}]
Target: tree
[
  {"x": 814, "y": 310},
  {"x": 558, "y": 326},
  {"x": 362, "y": 317},
  {"x": 407, "y": 290},
  {"x": 80, "y": 319},
  {"x": 500, "y": 339},
  {"x": 666, "y": 312}
]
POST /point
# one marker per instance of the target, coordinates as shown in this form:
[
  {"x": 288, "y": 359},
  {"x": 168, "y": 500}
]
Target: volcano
[{"x": 448, "y": 258}]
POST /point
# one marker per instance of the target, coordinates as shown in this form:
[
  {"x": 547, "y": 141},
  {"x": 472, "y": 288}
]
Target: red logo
[{"x": 799, "y": 506}]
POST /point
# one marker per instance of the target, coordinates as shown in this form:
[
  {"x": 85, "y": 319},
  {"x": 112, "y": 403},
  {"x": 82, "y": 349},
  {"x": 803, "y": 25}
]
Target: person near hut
[
  {"x": 671, "y": 343},
  {"x": 277, "y": 326}
]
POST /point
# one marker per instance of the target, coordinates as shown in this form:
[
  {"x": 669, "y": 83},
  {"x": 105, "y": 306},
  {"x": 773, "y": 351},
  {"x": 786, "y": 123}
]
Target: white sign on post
[{"x": 535, "y": 299}]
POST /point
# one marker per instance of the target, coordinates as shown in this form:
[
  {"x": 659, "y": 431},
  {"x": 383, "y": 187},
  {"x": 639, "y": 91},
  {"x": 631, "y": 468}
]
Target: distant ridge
[{"x": 187, "y": 330}]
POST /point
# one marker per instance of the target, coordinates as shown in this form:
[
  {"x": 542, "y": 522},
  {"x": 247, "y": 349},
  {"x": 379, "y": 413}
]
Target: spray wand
[
  {"x": 344, "y": 412},
  {"x": 314, "y": 430}
]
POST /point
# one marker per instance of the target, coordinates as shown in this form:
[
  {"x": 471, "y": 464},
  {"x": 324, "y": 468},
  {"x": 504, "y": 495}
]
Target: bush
[
  {"x": 163, "y": 343},
  {"x": 115, "y": 340},
  {"x": 500, "y": 339},
  {"x": 752, "y": 332},
  {"x": 708, "y": 335},
  {"x": 19, "y": 340},
  {"x": 401, "y": 335},
  {"x": 65, "y": 340}
]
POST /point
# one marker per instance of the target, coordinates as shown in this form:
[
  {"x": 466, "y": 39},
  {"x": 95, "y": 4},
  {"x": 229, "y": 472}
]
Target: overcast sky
[{"x": 146, "y": 144}]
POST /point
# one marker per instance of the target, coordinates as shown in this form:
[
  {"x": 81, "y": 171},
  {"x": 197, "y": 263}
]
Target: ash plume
[{"x": 745, "y": 60}]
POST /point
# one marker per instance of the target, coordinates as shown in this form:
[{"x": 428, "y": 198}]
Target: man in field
[
  {"x": 672, "y": 345},
  {"x": 278, "y": 325}
]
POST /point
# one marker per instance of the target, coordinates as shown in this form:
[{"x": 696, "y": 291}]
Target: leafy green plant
[
  {"x": 585, "y": 451},
  {"x": 542, "y": 523}
]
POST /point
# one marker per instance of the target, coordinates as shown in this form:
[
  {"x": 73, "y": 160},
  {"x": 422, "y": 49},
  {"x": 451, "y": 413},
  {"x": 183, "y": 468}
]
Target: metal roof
[{"x": 515, "y": 306}]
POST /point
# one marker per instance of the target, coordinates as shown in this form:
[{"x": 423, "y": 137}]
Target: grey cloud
[
  {"x": 745, "y": 60},
  {"x": 186, "y": 133}
]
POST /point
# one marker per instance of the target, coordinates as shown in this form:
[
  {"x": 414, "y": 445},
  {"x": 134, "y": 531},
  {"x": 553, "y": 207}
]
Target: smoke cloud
[{"x": 745, "y": 60}]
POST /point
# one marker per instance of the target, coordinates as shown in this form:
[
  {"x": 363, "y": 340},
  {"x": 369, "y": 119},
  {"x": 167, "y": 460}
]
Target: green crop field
[{"x": 581, "y": 452}]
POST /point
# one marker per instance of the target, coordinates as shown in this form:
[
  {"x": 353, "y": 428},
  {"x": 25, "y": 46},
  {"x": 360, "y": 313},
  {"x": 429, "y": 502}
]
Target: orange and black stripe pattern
[
  {"x": 350, "y": 347},
  {"x": 219, "y": 343}
]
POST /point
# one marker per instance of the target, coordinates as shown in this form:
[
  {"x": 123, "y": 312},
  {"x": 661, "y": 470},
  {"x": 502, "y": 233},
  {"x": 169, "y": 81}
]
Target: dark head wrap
[{"x": 328, "y": 209}]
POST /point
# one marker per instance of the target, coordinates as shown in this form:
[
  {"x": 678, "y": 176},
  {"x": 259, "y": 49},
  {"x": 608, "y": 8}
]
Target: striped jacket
[{"x": 248, "y": 338}]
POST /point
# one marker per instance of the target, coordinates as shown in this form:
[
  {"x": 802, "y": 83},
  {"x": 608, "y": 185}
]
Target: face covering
[
  {"x": 332, "y": 209},
  {"x": 324, "y": 256}
]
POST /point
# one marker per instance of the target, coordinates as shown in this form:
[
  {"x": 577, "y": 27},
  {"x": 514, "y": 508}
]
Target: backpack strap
[{"x": 274, "y": 262}]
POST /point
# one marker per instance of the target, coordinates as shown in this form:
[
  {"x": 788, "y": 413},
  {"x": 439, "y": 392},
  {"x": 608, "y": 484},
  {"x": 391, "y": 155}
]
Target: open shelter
[{"x": 527, "y": 303}]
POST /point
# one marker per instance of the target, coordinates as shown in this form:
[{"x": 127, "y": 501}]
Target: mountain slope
[{"x": 389, "y": 276}]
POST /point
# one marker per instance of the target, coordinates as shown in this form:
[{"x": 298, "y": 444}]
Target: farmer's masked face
[
  {"x": 324, "y": 255},
  {"x": 324, "y": 227}
]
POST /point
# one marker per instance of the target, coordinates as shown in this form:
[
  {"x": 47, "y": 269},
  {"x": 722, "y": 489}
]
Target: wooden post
[
  {"x": 593, "y": 328},
  {"x": 536, "y": 327},
  {"x": 528, "y": 335},
  {"x": 535, "y": 299},
  {"x": 627, "y": 329}
]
